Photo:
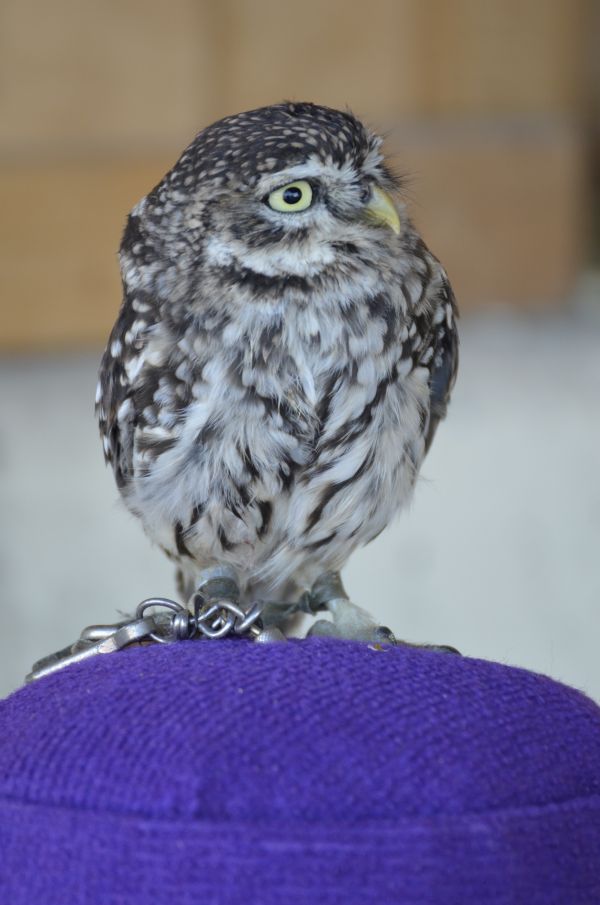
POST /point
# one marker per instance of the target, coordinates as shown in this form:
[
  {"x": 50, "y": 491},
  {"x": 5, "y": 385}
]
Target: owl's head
[{"x": 278, "y": 190}]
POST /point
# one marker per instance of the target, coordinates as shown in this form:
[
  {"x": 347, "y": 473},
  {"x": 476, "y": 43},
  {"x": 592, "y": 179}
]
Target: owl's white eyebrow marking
[{"x": 313, "y": 168}]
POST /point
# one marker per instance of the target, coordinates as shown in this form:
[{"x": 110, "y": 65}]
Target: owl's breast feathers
[
  {"x": 300, "y": 421},
  {"x": 285, "y": 349}
]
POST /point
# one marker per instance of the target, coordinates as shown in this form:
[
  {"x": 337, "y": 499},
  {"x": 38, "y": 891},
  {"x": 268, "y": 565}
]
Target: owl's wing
[
  {"x": 114, "y": 397},
  {"x": 445, "y": 357}
]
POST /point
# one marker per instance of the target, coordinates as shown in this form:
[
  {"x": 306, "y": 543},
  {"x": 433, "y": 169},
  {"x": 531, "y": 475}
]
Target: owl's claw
[
  {"x": 384, "y": 635},
  {"x": 437, "y": 648}
]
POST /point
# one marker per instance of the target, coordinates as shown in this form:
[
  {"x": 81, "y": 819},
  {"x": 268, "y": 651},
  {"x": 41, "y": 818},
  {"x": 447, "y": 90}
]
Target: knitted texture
[{"x": 232, "y": 773}]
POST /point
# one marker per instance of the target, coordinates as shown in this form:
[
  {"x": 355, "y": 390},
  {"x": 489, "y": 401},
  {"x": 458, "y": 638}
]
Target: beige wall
[{"x": 485, "y": 100}]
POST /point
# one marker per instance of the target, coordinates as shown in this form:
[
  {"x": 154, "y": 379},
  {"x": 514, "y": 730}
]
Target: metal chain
[{"x": 212, "y": 618}]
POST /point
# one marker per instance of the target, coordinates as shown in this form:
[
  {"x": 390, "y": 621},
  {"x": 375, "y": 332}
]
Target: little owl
[{"x": 284, "y": 352}]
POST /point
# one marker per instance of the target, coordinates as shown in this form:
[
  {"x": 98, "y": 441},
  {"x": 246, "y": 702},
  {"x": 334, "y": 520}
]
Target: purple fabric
[{"x": 231, "y": 773}]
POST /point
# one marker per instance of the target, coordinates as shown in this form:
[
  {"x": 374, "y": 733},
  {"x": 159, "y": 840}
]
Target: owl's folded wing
[{"x": 445, "y": 361}]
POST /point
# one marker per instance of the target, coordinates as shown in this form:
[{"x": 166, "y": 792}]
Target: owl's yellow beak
[{"x": 381, "y": 208}]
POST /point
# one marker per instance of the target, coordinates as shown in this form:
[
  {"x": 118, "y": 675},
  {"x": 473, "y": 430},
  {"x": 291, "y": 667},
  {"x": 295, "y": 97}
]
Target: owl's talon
[
  {"x": 435, "y": 648},
  {"x": 384, "y": 635},
  {"x": 445, "y": 649}
]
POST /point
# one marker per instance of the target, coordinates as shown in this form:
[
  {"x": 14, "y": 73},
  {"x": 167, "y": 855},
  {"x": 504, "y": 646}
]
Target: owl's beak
[{"x": 381, "y": 208}]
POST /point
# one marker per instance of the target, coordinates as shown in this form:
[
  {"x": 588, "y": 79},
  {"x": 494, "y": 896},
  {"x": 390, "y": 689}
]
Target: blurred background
[{"x": 492, "y": 109}]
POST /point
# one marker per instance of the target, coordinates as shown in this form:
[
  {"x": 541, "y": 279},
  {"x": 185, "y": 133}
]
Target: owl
[{"x": 284, "y": 352}]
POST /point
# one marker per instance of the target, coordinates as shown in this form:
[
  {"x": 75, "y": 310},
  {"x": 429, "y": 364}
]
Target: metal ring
[
  {"x": 223, "y": 624},
  {"x": 248, "y": 619},
  {"x": 183, "y": 625},
  {"x": 177, "y": 608}
]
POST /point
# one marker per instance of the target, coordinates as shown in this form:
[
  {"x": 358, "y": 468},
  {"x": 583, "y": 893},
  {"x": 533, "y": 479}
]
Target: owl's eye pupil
[{"x": 292, "y": 195}]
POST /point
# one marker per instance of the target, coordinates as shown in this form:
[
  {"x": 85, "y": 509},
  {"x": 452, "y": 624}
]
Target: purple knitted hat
[{"x": 232, "y": 773}]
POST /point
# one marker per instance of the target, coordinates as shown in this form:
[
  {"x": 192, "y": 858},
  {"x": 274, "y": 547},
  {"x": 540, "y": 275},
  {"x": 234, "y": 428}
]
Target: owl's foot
[{"x": 351, "y": 621}]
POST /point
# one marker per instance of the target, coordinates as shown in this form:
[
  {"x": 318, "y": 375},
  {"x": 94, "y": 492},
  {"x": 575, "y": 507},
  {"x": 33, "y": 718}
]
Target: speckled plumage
[{"x": 273, "y": 380}]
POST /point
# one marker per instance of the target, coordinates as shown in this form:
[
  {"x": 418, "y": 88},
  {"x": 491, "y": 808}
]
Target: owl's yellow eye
[{"x": 296, "y": 196}]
